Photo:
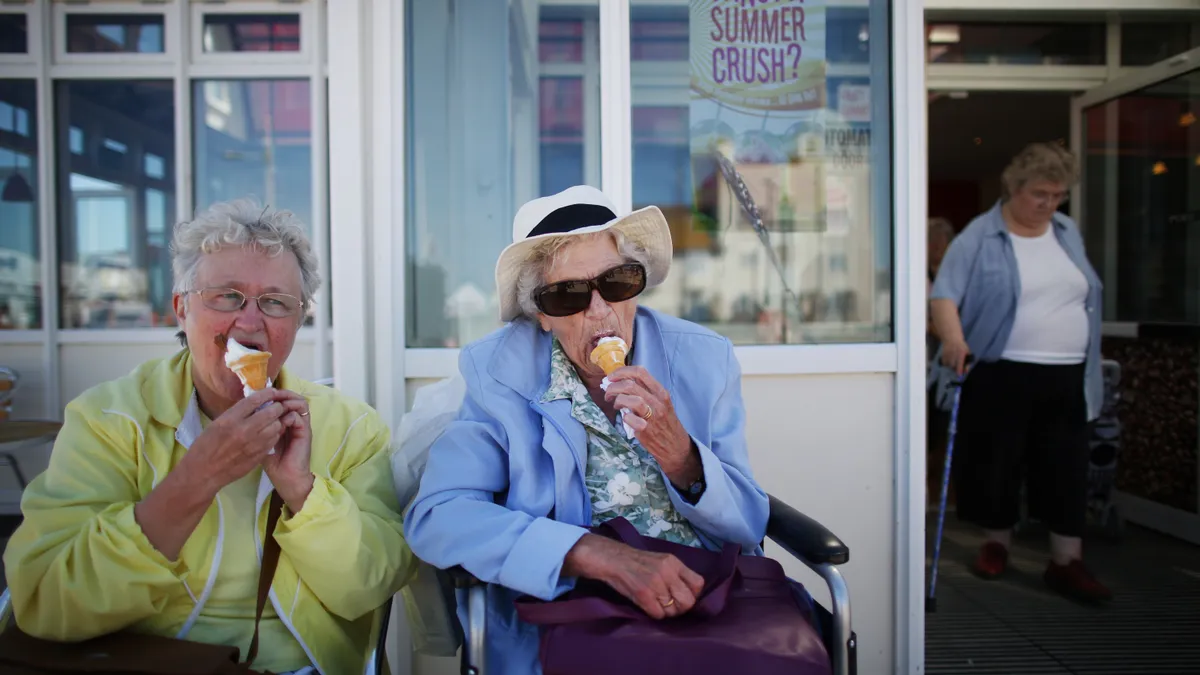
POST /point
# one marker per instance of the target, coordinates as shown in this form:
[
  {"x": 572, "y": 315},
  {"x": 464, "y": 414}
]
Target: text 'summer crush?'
[{"x": 756, "y": 41}]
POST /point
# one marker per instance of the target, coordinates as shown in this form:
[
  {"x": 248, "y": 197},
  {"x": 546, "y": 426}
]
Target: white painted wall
[{"x": 823, "y": 444}]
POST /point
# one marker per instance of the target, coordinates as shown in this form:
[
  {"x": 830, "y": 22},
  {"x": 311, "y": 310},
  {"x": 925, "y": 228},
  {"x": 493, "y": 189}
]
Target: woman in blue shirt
[{"x": 1016, "y": 290}]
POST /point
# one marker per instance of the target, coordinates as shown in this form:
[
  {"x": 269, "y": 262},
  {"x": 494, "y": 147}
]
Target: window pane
[
  {"x": 1011, "y": 43},
  {"x": 130, "y": 33},
  {"x": 14, "y": 34},
  {"x": 560, "y": 125},
  {"x": 819, "y": 269},
  {"x": 1142, "y": 187},
  {"x": 20, "y": 253},
  {"x": 847, "y": 35},
  {"x": 112, "y": 214},
  {"x": 251, "y": 32},
  {"x": 658, "y": 35},
  {"x": 1144, "y": 44},
  {"x": 487, "y": 131},
  {"x": 560, "y": 41},
  {"x": 253, "y": 138}
]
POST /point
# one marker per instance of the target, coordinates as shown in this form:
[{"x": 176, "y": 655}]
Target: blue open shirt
[{"x": 979, "y": 273}]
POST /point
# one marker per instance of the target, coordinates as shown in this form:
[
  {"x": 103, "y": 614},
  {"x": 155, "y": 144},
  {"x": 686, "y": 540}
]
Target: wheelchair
[{"x": 801, "y": 536}]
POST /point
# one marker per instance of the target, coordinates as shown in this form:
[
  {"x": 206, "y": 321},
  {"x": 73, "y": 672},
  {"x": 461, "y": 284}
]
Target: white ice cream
[
  {"x": 234, "y": 351},
  {"x": 612, "y": 338}
]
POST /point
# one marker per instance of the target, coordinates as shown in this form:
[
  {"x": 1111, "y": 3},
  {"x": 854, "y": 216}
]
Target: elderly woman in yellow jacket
[{"x": 152, "y": 513}]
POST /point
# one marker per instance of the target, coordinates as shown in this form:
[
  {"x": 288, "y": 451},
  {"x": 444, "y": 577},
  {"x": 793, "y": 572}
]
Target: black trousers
[{"x": 1023, "y": 421}]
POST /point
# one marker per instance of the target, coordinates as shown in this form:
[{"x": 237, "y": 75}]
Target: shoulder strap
[{"x": 266, "y": 573}]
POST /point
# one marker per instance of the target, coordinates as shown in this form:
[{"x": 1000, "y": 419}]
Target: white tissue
[{"x": 624, "y": 411}]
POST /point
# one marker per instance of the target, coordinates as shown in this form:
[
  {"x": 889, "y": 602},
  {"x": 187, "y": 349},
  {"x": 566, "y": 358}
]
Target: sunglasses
[{"x": 565, "y": 298}]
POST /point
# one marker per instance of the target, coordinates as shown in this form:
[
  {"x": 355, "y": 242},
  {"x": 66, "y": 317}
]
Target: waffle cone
[
  {"x": 609, "y": 356},
  {"x": 252, "y": 370}
]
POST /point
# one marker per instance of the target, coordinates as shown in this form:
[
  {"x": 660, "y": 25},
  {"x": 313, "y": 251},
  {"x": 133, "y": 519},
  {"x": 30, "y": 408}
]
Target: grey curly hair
[
  {"x": 543, "y": 256},
  {"x": 242, "y": 222},
  {"x": 1039, "y": 161}
]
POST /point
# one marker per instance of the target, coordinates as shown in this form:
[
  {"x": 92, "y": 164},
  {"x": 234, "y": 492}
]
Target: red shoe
[
  {"x": 1076, "y": 582},
  {"x": 992, "y": 561}
]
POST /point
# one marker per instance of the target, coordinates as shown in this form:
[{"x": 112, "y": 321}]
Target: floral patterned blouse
[{"x": 623, "y": 479}]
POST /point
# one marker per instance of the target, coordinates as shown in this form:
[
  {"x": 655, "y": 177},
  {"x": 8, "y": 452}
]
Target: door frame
[{"x": 1169, "y": 520}]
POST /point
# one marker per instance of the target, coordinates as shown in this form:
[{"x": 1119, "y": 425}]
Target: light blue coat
[{"x": 503, "y": 494}]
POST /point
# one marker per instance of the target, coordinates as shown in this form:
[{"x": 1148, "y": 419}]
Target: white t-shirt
[{"x": 1051, "y": 324}]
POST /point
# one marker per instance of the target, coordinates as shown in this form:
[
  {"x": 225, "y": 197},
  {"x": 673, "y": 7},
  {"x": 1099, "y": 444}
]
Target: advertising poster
[{"x": 758, "y": 99}]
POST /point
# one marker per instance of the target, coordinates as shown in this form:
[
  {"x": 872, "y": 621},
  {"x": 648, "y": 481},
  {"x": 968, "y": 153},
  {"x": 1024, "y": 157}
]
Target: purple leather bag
[{"x": 746, "y": 620}]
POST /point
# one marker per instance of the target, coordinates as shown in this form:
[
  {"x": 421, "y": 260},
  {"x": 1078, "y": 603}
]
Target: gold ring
[
  {"x": 668, "y": 604},
  {"x": 649, "y": 412}
]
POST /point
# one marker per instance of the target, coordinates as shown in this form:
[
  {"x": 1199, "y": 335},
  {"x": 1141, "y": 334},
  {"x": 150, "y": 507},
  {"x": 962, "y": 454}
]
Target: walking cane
[{"x": 931, "y": 600}]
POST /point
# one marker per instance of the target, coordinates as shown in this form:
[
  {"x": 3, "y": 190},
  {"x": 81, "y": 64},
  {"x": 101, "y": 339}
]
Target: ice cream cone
[
  {"x": 250, "y": 365},
  {"x": 251, "y": 369},
  {"x": 609, "y": 354}
]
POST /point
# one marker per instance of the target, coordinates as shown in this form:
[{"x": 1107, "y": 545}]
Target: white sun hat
[{"x": 578, "y": 210}]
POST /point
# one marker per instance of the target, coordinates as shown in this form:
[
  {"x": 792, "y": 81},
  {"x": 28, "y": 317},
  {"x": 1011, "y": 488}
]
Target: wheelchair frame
[{"x": 801, "y": 536}]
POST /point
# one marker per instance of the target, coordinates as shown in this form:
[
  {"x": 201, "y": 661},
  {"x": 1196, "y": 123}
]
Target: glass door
[{"x": 1138, "y": 204}]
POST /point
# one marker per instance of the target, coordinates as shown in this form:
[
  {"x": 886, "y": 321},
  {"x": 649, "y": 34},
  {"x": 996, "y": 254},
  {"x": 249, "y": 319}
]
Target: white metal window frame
[
  {"x": 308, "y": 31},
  {"x": 173, "y": 48},
  {"x": 45, "y": 67},
  {"x": 33, "y": 47}
]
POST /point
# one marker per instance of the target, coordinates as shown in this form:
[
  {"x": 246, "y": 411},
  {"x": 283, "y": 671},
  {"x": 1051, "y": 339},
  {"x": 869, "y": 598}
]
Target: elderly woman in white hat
[{"x": 544, "y": 448}]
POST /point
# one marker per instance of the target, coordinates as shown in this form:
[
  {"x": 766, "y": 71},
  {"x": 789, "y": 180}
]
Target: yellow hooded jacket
[{"x": 79, "y": 565}]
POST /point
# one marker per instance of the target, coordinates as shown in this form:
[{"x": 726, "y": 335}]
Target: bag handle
[
  {"x": 625, "y": 532},
  {"x": 266, "y": 573},
  {"x": 711, "y": 601}
]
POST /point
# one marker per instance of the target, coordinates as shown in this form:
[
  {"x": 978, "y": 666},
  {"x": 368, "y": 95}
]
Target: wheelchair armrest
[
  {"x": 804, "y": 537},
  {"x": 462, "y": 578}
]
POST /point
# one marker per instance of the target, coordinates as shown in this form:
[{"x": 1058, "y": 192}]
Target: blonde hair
[{"x": 1039, "y": 161}]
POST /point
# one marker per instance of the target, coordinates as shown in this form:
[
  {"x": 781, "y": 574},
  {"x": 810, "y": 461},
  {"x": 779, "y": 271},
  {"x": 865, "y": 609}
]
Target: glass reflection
[
  {"x": 792, "y": 143},
  {"x": 20, "y": 251},
  {"x": 252, "y": 33},
  {"x": 14, "y": 33},
  {"x": 501, "y": 112},
  {"x": 115, "y": 33},
  {"x": 116, "y": 194},
  {"x": 253, "y": 138}
]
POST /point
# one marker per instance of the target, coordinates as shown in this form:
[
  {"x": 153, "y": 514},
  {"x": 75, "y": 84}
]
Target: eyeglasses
[
  {"x": 1048, "y": 197},
  {"x": 277, "y": 305},
  {"x": 565, "y": 298}
]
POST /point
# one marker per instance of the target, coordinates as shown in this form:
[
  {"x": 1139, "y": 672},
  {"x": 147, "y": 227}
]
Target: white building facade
[{"x": 406, "y": 134}]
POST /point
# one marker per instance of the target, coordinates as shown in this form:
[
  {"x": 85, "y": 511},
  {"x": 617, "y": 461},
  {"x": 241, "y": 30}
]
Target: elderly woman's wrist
[
  {"x": 587, "y": 557},
  {"x": 690, "y": 469},
  {"x": 196, "y": 481}
]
